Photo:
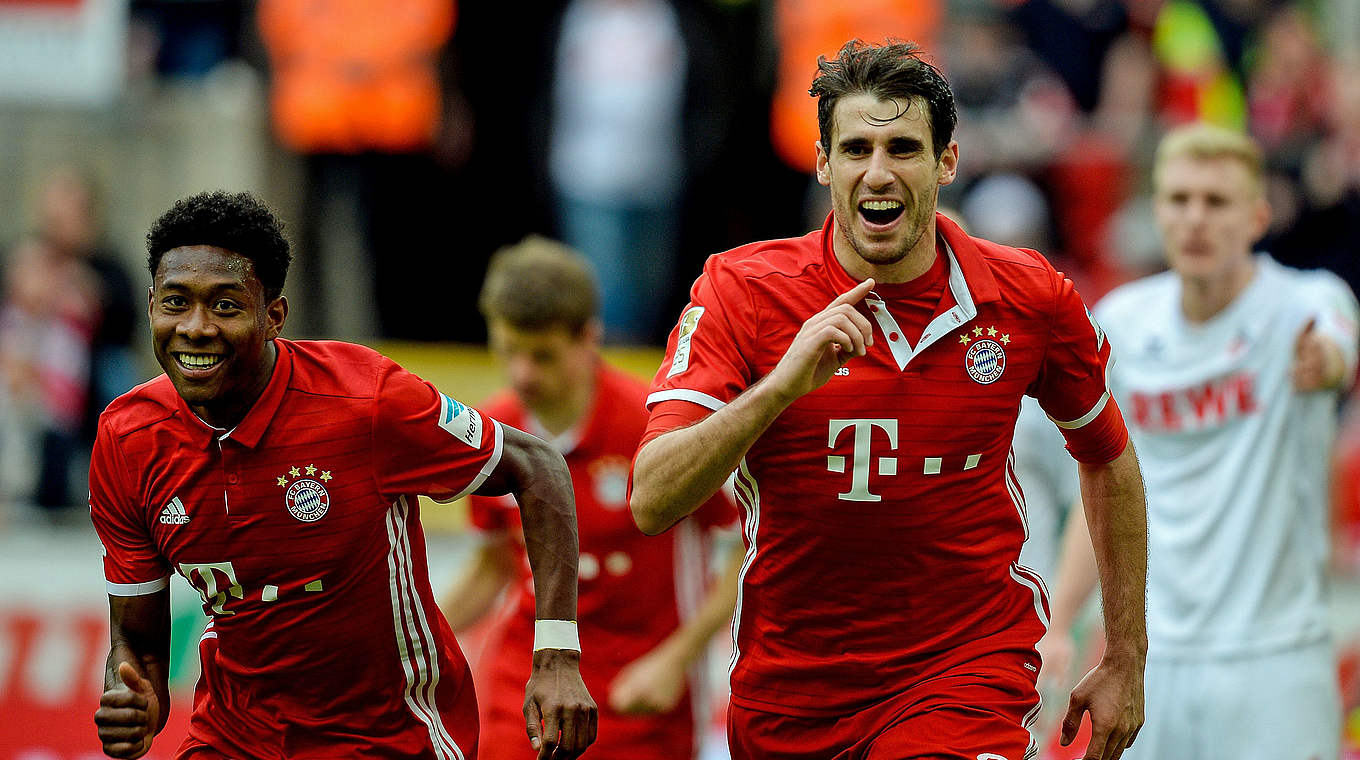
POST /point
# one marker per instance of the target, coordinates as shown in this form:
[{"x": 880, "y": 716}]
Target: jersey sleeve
[
  {"x": 133, "y": 566},
  {"x": 706, "y": 364},
  {"x": 426, "y": 442},
  {"x": 1072, "y": 386},
  {"x": 1335, "y": 314}
]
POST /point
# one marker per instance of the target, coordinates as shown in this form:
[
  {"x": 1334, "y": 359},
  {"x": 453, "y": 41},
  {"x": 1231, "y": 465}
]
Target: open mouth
[
  {"x": 197, "y": 362},
  {"x": 880, "y": 212}
]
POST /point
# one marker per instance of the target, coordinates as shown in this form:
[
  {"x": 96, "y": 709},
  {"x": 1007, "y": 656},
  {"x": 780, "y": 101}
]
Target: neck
[
  {"x": 557, "y": 418},
  {"x": 1204, "y": 297},
  {"x": 915, "y": 263},
  {"x": 228, "y": 413}
]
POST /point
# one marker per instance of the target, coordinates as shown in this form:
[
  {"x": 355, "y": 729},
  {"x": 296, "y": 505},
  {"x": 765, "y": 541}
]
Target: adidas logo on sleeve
[{"x": 174, "y": 513}]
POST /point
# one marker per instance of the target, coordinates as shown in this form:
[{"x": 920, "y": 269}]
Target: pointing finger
[{"x": 854, "y": 295}]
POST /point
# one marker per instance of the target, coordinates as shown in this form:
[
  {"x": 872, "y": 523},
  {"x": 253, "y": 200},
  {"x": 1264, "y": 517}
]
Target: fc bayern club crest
[
  {"x": 307, "y": 498},
  {"x": 985, "y": 361}
]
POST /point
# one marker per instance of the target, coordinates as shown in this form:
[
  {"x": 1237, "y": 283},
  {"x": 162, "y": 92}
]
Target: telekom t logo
[{"x": 859, "y": 471}]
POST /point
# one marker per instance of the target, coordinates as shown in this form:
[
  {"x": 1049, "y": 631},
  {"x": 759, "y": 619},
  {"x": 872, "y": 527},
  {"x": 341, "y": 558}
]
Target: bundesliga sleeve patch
[
  {"x": 688, "y": 324},
  {"x": 460, "y": 421}
]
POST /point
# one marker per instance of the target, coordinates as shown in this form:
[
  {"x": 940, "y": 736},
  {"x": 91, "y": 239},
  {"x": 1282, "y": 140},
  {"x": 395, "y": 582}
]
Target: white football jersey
[
  {"x": 1048, "y": 479},
  {"x": 1235, "y": 460}
]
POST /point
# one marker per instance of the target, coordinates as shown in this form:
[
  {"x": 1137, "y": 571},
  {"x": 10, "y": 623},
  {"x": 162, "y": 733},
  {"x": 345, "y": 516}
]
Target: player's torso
[
  {"x": 889, "y": 488},
  {"x": 288, "y": 543},
  {"x": 883, "y": 458},
  {"x": 626, "y": 600},
  {"x": 1234, "y": 461}
]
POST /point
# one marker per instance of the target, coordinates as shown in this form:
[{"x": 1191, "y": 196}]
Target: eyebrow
[
  {"x": 173, "y": 284},
  {"x": 895, "y": 143}
]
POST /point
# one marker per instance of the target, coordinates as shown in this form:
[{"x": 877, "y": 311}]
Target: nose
[
  {"x": 522, "y": 373},
  {"x": 197, "y": 324},
  {"x": 877, "y": 174}
]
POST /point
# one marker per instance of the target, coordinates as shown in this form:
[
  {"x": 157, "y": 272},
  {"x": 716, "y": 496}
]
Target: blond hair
[
  {"x": 538, "y": 284},
  {"x": 1202, "y": 141}
]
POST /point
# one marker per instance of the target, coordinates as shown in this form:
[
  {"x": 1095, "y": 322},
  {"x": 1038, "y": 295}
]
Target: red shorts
[{"x": 978, "y": 710}]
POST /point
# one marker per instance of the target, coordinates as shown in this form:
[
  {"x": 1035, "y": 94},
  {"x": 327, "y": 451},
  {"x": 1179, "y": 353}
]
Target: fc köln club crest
[{"x": 306, "y": 498}]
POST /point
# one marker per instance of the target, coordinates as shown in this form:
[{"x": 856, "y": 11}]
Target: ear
[
  {"x": 593, "y": 332},
  {"x": 150, "y": 300},
  {"x": 947, "y": 165},
  {"x": 1260, "y": 218},
  {"x": 823, "y": 165},
  {"x": 277, "y": 313}
]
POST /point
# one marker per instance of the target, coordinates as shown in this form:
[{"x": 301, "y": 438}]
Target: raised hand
[
  {"x": 1317, "y": 360},
  {"x": 825, "y": 342},
  {"x": 128, "y": 715}
]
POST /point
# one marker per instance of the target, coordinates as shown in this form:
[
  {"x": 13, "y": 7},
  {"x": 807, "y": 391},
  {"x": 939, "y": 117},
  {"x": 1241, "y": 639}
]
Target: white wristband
[{"x": 556, "y": 634}]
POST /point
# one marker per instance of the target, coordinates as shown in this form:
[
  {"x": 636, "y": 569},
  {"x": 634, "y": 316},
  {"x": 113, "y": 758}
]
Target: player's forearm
[
  {"x": 548, "y": 513},
  {"x": 1116, "y": 511},
  {"x": 1076, "y": 572},
  {"x": 679, "y": 470},
  {"x": 140, "y": 635}
]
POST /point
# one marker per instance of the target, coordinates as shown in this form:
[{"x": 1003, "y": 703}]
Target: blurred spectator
[
  {"x": 357, "y": 92},
  {"x": 49, "y": 311},
  {"x": 615, "y": 157},
  {"x": 67, "y": 315},
  {"x": 69, "y": 221}
]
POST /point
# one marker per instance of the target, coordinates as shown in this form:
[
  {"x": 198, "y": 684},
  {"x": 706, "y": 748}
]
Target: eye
[
  {"x": 174, "y": 302},
  {"x": 226, "y": 304}
]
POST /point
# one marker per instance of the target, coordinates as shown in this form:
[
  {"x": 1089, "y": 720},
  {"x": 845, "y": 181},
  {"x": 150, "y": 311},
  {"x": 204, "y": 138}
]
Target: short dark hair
[
  {"x": 538, "y": 284},
  {"x": 890, "y": 71},
  {"x": 238, "y": 222}
]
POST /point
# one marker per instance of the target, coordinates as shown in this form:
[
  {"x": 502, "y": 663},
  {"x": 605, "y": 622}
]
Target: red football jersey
[
  {"x": 883, "y": 521},
  {"x": 300, "y": 529},
  {"x": 634, "y": 590}
]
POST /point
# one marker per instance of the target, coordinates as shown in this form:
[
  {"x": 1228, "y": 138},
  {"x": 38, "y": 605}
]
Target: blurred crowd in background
[{"x": 408, "y": 139}]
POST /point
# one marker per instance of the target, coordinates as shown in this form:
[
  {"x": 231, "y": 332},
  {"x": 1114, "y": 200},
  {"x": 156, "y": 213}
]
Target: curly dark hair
[
  {"x": 890, "y": 71},
  {"x": 238, "y": 222}
]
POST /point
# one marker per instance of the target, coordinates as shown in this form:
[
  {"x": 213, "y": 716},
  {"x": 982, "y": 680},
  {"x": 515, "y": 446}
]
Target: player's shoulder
[
  {"x": 1303, "y": 279},
  {"x": 335, "y": 368},
  {"x": 146, "y": 405},
  {"x": 1024, "y": 263},
  {"x": 1138, "y": 296},
  {"x": 784, "y": 256}
]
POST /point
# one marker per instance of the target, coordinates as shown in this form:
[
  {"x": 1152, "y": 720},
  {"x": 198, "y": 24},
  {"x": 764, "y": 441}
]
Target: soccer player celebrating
[
  {"x": 280, "y": 479},
  {"x": 1232, "y": 366},
  {"x": 641, "y": 599},
  {"x": 864, "y": 381}
]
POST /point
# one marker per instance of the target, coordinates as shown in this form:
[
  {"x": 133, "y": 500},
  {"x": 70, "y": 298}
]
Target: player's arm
[
  {"x": 136, "y": 699},
  {"x": 1116, "y": 513},
  {"x": 1076, "y": 579},
  {"x": 655, "y": 682},
  {"x": 475, "y": 591},
  {"x": 679, "y": 470},
  {"x": 559, "y": 713}
]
